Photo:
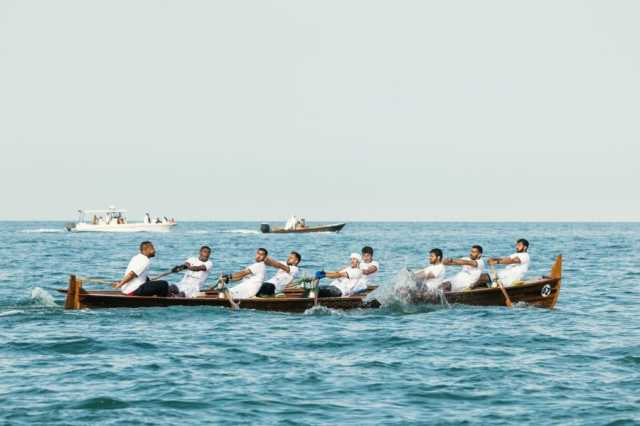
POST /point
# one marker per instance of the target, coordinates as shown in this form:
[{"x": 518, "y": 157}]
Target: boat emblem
[{"x": 545, "y": 290}]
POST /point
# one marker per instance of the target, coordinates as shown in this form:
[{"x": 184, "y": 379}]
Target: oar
[
  {"x": 507, "y": 299},
  {"x": 227, "y": 294},
  {"x": 317, "y": 292}
]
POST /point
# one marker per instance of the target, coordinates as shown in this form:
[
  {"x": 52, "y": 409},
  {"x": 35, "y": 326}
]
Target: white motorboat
[{"x": 115, "y": 220}]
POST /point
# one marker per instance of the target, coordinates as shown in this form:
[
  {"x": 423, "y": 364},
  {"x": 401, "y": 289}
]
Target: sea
[{"x": 578, "y": 364}]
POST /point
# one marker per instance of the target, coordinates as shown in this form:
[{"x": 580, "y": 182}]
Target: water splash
[
  {"x": 242, "y": 231},
  {"x": 322, "y": 311},
  {"x": 42, "y": 231},
  {"x": 42, "y": 297},
  {"x": 401, "y": 293}
]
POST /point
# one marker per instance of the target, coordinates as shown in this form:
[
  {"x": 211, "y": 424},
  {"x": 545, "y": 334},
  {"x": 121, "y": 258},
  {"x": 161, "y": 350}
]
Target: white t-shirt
[
  {"x": 469, "y": 275},
  {"x": 250, "y": 285},
  {"x": 515, "y": 271},
  {"x": 437, "y": 271},
  {"x": 352, "y": 284},
  {"x": 139, "y": 264},
  {"x": 192, "y": 281},
  {"x": 282, "y": 278},
  {"x": 368, "y": 279}
]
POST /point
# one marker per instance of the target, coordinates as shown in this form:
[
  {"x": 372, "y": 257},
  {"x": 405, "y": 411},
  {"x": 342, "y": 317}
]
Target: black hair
[
  {"x": 367, "y": 250},
  {"x": 437, "y": 252},
  {"x": 477, "y": 247},
  {"x": 523, "y": 241},
  {"x": 205, "y": 247},
  {"x": 144, "y": 244},
  {"x": 297, "y": 255},
  {"x": 266, "y": 252}
]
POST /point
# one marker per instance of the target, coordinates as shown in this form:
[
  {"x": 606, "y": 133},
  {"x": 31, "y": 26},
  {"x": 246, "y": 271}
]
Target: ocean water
[{"x": 578, "y": 364}]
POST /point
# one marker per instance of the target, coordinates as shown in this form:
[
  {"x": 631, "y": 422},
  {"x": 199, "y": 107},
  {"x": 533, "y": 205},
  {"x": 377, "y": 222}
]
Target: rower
[
  {"x": 197, "y": 272},
  {"x": 251, "y": 278},
  {"x": 346, "y": 282},
  {"x": 368, "y": 266},
  {"x": 517, "y": 264},
  {"x": 472, "y": 267},
  {"x": 287, "y": 271},
  {"x": 136, "y": 279},
  {"x": 431, "y": 277}
]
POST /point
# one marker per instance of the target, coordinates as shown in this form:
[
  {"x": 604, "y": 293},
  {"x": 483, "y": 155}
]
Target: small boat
[
  {"x": 540, "y": 292},
  {"x": 115, "y": 220},
  {"x": 265, "y": 228}
]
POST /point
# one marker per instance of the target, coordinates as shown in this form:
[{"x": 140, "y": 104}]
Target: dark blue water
[{"x": 577, "y": 364}]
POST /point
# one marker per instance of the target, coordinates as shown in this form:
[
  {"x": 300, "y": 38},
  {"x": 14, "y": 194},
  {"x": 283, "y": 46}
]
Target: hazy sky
[{"x": 354, "y": 110}]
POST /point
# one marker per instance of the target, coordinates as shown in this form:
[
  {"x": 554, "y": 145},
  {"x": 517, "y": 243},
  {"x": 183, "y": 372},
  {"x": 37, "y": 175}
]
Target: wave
[
  {"x": 399, "y": 295},
  {"x": 11, "y": 312},
  {"x": 42, "y": 231},
  {"x": 198, "y": 232},
  {"x": 242, "y": 231},
  {"x": 42, "y": 297},
  {"x": 322, "y": 311}
]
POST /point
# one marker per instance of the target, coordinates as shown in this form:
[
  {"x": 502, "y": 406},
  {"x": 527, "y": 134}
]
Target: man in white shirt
[
  {"x": 135, "y": 281},
  {"x": 427, "y": 280},
  {"x": 251, "y": 278},
  {"x": 197, "y": 272},
  {"x": 347, "y": 282},
  {"x": 368, "y": 266},
  {"x": 287, "y": 271},
  {"x": 431, "y": 277},
  {"x": 517, "y": 264},
  {"x": 472, "y": 267}
]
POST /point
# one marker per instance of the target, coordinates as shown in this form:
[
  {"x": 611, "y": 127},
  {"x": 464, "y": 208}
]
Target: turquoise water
[{"x": 578, "y": 364}]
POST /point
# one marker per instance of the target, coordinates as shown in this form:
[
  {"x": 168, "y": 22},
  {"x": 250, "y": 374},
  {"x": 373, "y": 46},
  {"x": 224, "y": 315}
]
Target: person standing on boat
[
  {"x": 197, "y": 272},
  {"x": 136, "y": 279},
  {"x": 346, "y": 282},
  {"x": 251, "y": 277},
  {"x": 472, "y": 267},
  {"x": 286, "y": 273},
  {"x": 368, "y": 266},
  {"x": 517, "y": 264}
]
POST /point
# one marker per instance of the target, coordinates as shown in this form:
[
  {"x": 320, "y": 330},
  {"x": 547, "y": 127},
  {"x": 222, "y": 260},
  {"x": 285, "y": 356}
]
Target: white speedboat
[{"x": 115, "y": 220}]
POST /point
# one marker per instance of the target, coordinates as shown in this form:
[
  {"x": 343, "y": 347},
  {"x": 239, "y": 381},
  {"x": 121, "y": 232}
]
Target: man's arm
[
  {"x": 370, "y": 270},
  {"x": 460, "y": 262},
  {"x": 236, "y": 276},
  {"x": 335, "y": 275},
  {"x": 195, "y": 268},
  {"x": 504, "y": 261},
  {"x": 275, "y": 264},
  {"x": 128, "y": 277},
  {"x": 422, "y": 276}
]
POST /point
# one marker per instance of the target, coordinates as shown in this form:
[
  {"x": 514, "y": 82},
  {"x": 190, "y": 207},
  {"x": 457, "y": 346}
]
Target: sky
[{"x": 332, "y": 110}]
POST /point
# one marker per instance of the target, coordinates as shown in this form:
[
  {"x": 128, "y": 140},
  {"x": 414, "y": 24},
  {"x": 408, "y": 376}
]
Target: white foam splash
[
  {"x": 42, "y": 231},
  {"x": 322, "y": 310},
  {"x": 42, "y": 297},
  {"x": 401, "y": 291},
  {"x": 242, "y": 231},
  {"x": 11, "y": 312},
  {"x": 197, "y": 232}
]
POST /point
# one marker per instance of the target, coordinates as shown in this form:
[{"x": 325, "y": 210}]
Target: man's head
[
  {"x": 435, "y": 256},
  {"x": 294, "y": 258},
  {"x": 476, "y": 252},
  {"x": 522, "y": 245},
  {"x": 147, "y": 248},
  {"x": 355, "y": 260},
  {"x": 205, "y": 252},
  {"x": 261, "y": 254},
  {"x": 367, "y": 254}
]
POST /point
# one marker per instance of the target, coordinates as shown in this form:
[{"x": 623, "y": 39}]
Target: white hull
[{"x": 126, "y": 227}]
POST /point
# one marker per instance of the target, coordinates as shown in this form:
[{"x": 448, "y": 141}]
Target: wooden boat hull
[
  {"x": 542, "y": 292},
  {"x": 336, "y": 227}
]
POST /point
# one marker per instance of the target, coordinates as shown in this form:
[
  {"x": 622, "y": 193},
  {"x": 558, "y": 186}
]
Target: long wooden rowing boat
[
  {"x": 541, "y": 292},
  {"x": 265, "y": 228}
]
